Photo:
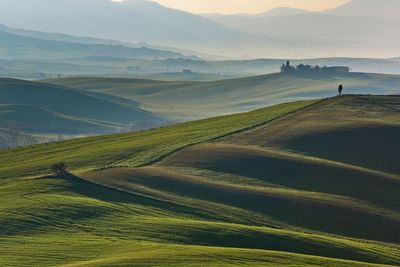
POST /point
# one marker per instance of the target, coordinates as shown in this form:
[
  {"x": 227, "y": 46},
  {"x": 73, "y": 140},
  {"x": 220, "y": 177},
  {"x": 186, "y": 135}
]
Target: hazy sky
[{"x": 247, "y": 6}]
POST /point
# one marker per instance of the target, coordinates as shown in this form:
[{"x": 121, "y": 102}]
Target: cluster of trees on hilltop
[{"x": 287, "y": 68}]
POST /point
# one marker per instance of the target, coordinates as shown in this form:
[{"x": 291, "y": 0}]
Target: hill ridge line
[{"x": 160, "y": 158}]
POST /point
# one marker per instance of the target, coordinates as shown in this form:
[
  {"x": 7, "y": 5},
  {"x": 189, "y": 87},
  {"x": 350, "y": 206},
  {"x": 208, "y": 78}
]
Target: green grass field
[{"x": 236, "y": 190}]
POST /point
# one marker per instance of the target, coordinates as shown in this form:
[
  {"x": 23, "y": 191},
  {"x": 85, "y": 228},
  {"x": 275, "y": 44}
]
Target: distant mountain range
[
  {"x": 360, "y": 28},
  {"x": 28, "y": 54},
  {"x": 362, "y": 8},
  {"x": 133, "y": 21},
  {"x": 369, "y": 8},
  {"x": 318, "y": 28},
  {"x": 18, "y": 44},
  {"x": 281, "y": 11}
]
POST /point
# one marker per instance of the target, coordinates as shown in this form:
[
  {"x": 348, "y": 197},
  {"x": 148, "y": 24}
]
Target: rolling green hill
[
  {"x": 48, "y": 109},
  {"x": 232, "y": 190},
  {"x": 357, "y": 130},
  {"x": 193, "y": 100}
]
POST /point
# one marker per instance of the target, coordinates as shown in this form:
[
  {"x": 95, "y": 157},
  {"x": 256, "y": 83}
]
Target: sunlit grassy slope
[
  {"x": 135, "y": 148},
  {"x": 202, "y": 194},
  {"x": 185, "y": 100}
]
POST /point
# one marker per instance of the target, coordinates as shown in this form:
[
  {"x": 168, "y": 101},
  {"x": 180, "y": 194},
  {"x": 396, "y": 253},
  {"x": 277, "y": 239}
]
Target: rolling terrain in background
[
  {"x": 239, "y": 189},
  {"x": 187, "y": 100},
  {"x": 50, "y": 110},
  {"x": 62, "y": 108}
]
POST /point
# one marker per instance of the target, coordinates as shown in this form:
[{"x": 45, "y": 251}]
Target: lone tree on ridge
[{"x": 340, "y": 89}]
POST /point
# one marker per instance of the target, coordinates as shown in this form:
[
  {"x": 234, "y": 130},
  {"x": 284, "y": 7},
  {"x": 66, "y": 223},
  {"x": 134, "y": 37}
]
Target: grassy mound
[{"x": 359, "y": 130}]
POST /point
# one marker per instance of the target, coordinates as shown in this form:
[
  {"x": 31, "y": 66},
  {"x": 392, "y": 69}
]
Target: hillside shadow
[
  {"x": 80, "y": 186},
  {"x": 374, "y": 147}
]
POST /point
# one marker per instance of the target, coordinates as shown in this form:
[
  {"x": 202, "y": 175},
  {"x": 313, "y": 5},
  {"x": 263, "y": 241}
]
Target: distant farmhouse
[
  {"x": 301, "y": 68},
  {"x": 338, "y": 69}
]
